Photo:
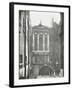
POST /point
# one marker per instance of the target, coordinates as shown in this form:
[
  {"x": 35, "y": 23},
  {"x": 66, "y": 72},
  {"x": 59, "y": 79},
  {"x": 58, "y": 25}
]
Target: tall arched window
[
  {"x": 46, "y": 42},
  {"x": 41, "y": 42},
  {"x": 35, "y": 35}
]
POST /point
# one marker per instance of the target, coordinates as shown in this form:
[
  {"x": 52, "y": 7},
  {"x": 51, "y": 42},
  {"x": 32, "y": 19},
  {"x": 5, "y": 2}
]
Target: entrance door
[{"x": 46, "y": 71}]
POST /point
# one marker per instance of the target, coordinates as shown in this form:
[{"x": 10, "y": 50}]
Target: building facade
[
  {"x": 46, "y": 51},
  {"x": 41, "y": 49}
]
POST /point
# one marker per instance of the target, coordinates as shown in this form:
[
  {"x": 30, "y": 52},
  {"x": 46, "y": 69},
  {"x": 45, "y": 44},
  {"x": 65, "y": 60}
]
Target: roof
[{"x": 40, "y": 27}]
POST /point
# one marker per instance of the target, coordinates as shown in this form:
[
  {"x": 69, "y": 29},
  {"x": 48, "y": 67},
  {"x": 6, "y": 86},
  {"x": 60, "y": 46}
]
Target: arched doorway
[{"x": 46, "y": 70}]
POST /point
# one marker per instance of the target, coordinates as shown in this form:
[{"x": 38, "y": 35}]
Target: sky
[{"x": 45, "y": 18}]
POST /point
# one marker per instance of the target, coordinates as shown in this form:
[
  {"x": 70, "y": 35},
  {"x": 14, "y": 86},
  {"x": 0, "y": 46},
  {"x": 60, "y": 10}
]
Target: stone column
[
  {"x": 33, "y": 42},
  {"x": 23, "y": 46},
  {"x": 43, "y": 42},
  {"x": 37, "y": 41},
  {"x": 48, "y": 42},
  {"x": 21, "y": 41}
]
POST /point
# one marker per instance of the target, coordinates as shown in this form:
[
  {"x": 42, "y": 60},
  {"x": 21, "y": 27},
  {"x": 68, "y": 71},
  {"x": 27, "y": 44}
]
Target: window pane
[
  {"x": 41, "y": 42},
  {"x": 46, "y": 42},
  {"x": 35, "y": 41}
]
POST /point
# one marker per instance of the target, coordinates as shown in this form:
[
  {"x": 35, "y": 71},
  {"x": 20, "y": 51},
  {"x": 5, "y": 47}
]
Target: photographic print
[
  {"x": 41, "y": 45},
  {"x": 41, "y": 37}
]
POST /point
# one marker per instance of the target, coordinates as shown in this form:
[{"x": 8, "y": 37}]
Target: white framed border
[{"x": 18, "y": 82}]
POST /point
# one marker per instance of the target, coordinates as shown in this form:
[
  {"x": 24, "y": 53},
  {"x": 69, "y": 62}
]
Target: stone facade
[
  {"x": 46, "y": 50},
  {"x": 41, "y": 49}
]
